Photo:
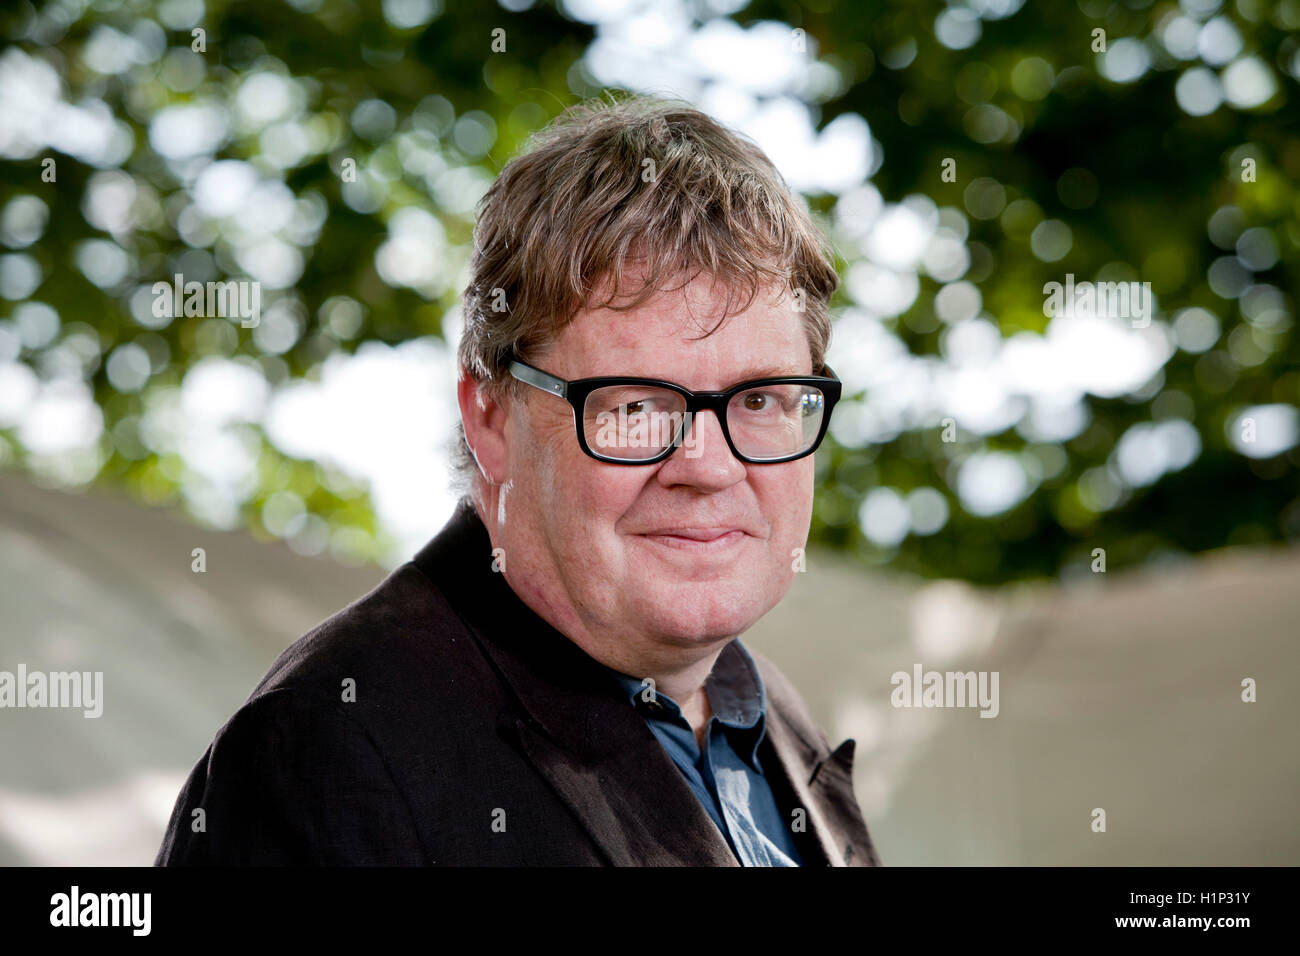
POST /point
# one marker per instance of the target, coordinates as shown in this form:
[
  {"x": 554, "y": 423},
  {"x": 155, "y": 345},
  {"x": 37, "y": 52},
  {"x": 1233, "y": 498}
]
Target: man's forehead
[
  {"x": 682, "y": 292},
  {"x": 669, "y": 337},
  {"x": 666, "y": 321},
  {"x": 765, "y": 350}
]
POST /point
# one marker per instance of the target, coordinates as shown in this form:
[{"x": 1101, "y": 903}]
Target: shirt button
[{"x": 654, "y": 706}]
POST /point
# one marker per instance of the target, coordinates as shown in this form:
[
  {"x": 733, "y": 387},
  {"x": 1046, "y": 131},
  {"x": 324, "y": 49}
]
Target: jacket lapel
[
  {"x": 598, "y": 755},
  {"x": 800, "y": 766},
  {"x": 632, "y": 823},
  {"x": 820, "y": 779},
  {"x": 834, "y": 784}
]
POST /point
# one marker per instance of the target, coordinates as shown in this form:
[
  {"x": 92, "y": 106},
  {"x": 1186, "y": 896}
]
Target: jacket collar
[{"x": 564, "y": 692}]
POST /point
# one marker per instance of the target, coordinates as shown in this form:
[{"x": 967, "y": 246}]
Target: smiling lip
[{"x": 697, "y": 539}]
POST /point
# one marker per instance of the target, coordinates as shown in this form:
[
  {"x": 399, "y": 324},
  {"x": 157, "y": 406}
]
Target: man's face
[{"x": 582, "y": 537}]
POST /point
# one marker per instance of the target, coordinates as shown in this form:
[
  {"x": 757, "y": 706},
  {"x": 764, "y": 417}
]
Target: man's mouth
[{"x": 697, "y": 539}]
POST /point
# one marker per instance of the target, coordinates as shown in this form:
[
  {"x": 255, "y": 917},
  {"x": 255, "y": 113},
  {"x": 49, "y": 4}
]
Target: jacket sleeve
[{"x": 291, "y": 780}]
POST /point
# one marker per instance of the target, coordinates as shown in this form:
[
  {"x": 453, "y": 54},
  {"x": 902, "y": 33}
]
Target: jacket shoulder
[
  {"x": 287, "y": 781},
  {"x": 400, "y": 639},
  {"x": 344, "y": 750}
]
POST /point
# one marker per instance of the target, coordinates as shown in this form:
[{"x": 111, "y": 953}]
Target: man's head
[{"x": 638, "y": 239}]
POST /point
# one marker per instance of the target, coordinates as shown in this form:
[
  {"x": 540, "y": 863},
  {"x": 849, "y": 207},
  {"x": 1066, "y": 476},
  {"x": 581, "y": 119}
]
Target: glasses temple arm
[{"x": 539, "y": 379}]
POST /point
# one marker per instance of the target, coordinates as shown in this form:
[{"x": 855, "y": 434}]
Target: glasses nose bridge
[{"x": 715, "y": 402}]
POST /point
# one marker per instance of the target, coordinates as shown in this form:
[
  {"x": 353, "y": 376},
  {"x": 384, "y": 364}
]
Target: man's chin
[{"x": 700, "y": 619}]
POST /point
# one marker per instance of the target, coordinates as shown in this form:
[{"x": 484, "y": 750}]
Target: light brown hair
[{"x": 639, "y": 180}]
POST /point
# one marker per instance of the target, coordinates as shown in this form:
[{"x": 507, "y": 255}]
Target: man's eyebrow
[
  {"x": 768, "y": 371},
  {"x": 747, "y": 374},
  {"x": 750, "y": 374}
]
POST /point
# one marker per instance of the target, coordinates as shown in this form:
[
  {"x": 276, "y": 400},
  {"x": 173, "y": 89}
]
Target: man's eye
[
  {"x": 628, "y": 409},
  {"x": 762, "y": 402}
]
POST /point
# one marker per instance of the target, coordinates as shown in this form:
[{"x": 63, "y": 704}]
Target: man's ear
[{"x": 485, "y": 428}]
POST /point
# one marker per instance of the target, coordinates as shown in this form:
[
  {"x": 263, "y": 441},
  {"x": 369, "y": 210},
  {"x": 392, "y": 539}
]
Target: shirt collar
[
  {"x": 737, "y": 696},
  {"x": 736, "y": 693}
]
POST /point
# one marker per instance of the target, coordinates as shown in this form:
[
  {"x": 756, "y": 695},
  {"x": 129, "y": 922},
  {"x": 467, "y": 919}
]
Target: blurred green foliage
[
  {"x": 1135, "y": 179},
  {"x": 1157, "y": 176}
]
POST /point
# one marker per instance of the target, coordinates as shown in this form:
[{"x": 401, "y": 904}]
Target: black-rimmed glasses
[{"x": 640, "y": 421}]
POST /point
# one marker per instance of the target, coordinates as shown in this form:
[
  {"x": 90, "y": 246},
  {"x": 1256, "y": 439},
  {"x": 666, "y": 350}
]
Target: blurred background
[{"x": 1104, "y": 511}]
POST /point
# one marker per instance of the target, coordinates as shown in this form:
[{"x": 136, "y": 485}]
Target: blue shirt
[{"x": 725, "y": 775}]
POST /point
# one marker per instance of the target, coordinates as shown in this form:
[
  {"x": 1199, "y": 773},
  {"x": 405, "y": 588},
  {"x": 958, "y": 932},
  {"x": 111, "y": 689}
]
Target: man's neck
[
  {"x": 685, "y": 685},
  {"x": 698, "y": 714}
]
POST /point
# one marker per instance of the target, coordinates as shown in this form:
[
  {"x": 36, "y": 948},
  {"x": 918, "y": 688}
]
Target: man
[{"x": 556, "y": 678}]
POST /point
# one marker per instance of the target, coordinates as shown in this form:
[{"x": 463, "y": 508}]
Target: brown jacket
[{"x": 440, "y": 721}]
